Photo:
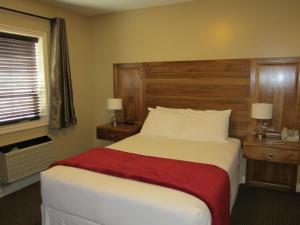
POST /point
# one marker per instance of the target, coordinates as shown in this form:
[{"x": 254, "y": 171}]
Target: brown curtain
[{"x": 62, "y": 113}]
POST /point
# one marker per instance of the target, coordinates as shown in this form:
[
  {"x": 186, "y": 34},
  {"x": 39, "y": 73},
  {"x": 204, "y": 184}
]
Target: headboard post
[
  {"x": 276, "y": 81},
  {"x": 130, "y": 86}
]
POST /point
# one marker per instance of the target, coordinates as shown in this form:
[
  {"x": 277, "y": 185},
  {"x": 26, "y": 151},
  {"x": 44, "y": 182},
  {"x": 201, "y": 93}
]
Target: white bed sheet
[{"x": 75, "y": 196}]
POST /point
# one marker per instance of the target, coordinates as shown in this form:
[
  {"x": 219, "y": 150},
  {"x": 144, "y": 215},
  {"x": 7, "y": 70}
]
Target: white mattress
[{"x": 75, "y": 196}]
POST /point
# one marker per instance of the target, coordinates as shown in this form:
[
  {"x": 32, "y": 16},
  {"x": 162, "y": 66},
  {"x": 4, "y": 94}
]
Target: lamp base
[
  {"x": 260, "y": 135},
  {"x": 113, "y": 121}
]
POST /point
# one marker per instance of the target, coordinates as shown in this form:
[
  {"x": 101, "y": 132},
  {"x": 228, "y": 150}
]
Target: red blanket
[{"x": 207, "y": 182}]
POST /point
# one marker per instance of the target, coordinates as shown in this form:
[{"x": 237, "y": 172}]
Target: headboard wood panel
[
  {"x": 130, "y": 86},
  {"x": 276, "y": 81},
  {"x": 213, "y": 84},
  {"x": 207, "y": 84}
]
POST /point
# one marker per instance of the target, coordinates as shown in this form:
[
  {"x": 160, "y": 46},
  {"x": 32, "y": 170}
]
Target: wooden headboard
[{"x": 209, "y": 84}]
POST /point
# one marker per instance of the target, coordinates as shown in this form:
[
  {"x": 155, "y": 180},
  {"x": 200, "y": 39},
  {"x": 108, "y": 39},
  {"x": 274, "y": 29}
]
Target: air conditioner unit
[{"x": 25, "y": 158}]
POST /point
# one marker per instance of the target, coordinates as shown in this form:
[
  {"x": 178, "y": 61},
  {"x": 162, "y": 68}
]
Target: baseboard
[
  {"x": 243, "y": 179},
  {"x": 6, "y": 189}
]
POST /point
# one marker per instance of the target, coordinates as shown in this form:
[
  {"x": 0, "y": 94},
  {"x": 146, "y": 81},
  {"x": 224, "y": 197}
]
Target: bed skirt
[{"x": 52, "y": 216}]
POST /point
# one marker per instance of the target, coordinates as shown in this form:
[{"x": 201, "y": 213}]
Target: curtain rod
[{"x": 26, "y": 13}]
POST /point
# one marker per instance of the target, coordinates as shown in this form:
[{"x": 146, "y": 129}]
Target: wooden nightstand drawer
[
  {"x": 271, "y": 165},
  {"x": 111, "y": 135},
  {"x": 272, "y": 154},
  {"x": 117, "y": 133}
]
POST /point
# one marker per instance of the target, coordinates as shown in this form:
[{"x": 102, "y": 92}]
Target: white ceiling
[{"x": 96, "y": 7}]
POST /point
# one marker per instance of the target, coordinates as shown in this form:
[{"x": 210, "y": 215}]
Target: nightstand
[
  {"x": 271, "y": 165},
  {"x": 117, "y": 133}
]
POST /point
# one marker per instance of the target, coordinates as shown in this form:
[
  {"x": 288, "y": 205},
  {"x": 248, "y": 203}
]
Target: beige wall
[{"x": 69, "y": 141}]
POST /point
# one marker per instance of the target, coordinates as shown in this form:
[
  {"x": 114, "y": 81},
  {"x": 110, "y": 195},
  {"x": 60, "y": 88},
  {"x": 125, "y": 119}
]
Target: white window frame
[{"x": 43, "y": 69}]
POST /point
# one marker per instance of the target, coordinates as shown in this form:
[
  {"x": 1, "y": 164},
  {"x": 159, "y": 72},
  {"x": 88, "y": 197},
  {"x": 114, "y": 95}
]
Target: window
[{"x": 23, "y": 102}]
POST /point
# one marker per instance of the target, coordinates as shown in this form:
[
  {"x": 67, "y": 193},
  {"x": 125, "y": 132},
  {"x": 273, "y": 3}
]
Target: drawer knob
[
  {"x": 112, "y": 135},
  {"x": 271, "y": 155}
]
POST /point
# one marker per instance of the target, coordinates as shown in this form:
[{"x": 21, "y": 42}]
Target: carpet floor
[
  {"x": 253, "y": 206},
  {"x": 258, "y": 206},
  {"x": 22, "y": 207}
]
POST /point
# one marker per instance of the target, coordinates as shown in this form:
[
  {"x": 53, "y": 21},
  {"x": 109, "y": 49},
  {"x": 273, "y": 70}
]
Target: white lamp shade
[
  {"x": 263, "y": 111},
  {"x": 114, "y": 103}
]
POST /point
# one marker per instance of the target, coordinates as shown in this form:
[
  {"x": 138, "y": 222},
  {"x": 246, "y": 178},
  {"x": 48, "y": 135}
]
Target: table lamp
[
  {"x": 261, "y": 111},
  {"x": 114, "y": 104}
]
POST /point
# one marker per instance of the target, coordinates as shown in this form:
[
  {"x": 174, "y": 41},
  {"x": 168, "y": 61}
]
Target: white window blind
[{"x": 19, "y": 79}]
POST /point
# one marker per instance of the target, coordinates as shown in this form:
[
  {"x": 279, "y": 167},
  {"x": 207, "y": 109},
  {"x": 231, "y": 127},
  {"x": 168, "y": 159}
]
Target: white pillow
[
  {"x": 195, "y": 112},
  {"x": 165, "y": 109},
  {"x": 206, "y": 126},
  {"x": 163, "y": 124}
]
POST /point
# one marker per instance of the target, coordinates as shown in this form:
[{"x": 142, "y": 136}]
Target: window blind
[{"x": 19, "y": 82}]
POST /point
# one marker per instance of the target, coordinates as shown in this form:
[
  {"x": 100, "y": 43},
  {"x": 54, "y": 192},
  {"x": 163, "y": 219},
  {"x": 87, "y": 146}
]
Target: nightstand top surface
[{"x": 251, "y": 140}]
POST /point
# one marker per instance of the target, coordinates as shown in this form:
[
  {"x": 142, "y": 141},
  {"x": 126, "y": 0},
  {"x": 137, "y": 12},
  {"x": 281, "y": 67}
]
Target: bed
[{"x": 90, "y": 198}]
